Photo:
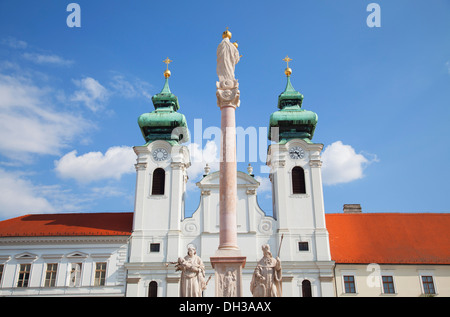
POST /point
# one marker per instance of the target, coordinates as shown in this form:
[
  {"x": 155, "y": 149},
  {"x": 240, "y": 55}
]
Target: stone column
[
  {"x": 228, "y": 101},
  {"x": 228, "y": 179},
  {"x": 228, "y": 262}
]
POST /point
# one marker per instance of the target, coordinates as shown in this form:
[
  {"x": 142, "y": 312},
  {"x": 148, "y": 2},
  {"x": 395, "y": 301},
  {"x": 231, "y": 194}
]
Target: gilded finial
[
  {"x": 287, "y": 71},
  {"x": 167, "y": 73},
  {"x": 249, "y": 169},
  {"x": 236, "y": 45},
  {"x": 226, "y": 33},
  {"x": 207, "y": 169}
]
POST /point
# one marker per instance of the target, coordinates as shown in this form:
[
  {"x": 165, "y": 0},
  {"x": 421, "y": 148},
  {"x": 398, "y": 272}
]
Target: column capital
[
  {"x": 178, "y": 165},
  {"x": 228, "y": 94},
  {"x": 140, "y": 166},
  {"x": 315, "y": 163}
]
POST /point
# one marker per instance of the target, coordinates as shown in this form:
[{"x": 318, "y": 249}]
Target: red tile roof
[
  {"x": 76, "y": 224},
  {"x": 389, "y": 238},
  {"x": 354, "y": 238}
]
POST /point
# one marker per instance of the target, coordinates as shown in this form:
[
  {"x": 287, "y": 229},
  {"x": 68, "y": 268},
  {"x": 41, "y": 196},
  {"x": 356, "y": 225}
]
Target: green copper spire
[
  {"x": 164, "y": 123},
  {"x": 292, "y": 121},
  {"x": 166, "y": 88},
  {"x": 289, "y": 97},
  {"x": 166, "y": 98}
]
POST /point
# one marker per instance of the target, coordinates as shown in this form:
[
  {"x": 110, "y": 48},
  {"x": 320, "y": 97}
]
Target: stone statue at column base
[
  {"x": 266, "y": 279},
  {"x": 192, "y": 282}
]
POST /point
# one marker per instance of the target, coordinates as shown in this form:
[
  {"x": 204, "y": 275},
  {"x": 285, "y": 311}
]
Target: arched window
[
  {"x": 298, "y": 180},
  {"x": 158, "y": 181},
  {"x": 153, "y": 289},
  {"x": 306, "y": 288}
]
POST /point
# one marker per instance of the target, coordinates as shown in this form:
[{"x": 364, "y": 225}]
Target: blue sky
[{"x": 70, "y": 97}]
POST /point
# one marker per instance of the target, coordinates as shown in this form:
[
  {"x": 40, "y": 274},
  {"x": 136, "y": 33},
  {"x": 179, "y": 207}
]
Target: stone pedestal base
[{"x": 228, "y": 265}]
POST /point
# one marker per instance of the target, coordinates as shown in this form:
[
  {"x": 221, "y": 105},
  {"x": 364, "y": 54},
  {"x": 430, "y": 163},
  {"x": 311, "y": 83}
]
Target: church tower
[
  {"x": 295, "y": 173},
  {"x": 161, "y": 178}
]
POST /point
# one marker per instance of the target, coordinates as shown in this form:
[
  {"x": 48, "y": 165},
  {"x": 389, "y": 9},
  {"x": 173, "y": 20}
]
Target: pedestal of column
[
  {"x": 228, "y": 261},
  {"x": 228, "y": 266}
]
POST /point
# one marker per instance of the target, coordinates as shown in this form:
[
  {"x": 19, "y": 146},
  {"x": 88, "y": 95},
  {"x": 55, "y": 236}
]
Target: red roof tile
[
  {"x": 354, "y": 238},
  {"x": 389, "y": 238},
  {"x": 76, "y": 224}
]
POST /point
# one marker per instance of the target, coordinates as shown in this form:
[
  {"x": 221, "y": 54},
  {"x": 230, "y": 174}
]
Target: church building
[{"x": 133, "y": 253}]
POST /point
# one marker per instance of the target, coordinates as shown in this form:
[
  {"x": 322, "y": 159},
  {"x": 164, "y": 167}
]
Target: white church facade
[
  {"x": 132, "y": 253},
  {"x": 161, "y": 234}
]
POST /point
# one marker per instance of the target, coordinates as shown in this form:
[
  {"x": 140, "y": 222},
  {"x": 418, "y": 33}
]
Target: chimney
[{"x": 352, "y": 209}]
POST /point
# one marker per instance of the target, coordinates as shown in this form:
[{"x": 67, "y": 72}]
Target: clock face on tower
[
  {"x": 160, "y": 154},
  {"x": 296, "y": 152}
]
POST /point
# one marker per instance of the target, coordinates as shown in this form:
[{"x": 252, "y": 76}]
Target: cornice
[{"x": 63, "y": 240}]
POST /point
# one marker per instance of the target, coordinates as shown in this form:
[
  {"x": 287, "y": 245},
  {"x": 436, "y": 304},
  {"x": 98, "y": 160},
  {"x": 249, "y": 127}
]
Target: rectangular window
[
  {"x": 75, "y": 275},
  {"x": 428, "y": 285},
  {"x": 50, "y": 275},
  {"x": 349, "y": 284},
  {"x": 303, "y": 246},
  {"x": 24, "y": 275},
  {"x": 100, "y": 274},
  {"x": 154, "y": 247},
  {"x": 388, "y": 285}
]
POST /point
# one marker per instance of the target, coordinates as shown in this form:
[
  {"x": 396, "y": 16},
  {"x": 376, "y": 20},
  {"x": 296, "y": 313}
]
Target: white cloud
[
  {"x": 47, "y": 59},
  {"x": 130, "y": 88},
  {"x": 14, "y": 43},
  {"x": 91, "y": 93},
  {"x": 95, "y": 166},
  {"x": 448, "y": 66},
  {"x": 200, "y": 157},
  {"x": 341, "y": 164},
  {"x": 37, "y": 58},
  {"x": 19, "y": 196},
  {"x": 29, "y": 122},
  {"x": 123, "y": 87},
  {"x": 264, "y": 184}
]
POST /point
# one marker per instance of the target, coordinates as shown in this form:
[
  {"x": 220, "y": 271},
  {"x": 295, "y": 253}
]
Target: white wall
[
  {"x": 407, "y": 279},
  {"x": 63, "y": 251}
]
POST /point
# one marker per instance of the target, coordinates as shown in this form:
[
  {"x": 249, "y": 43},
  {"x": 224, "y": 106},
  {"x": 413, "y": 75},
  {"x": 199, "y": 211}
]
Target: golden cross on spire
[
  {"x": 287, "y": 60},
  {"x": 167, "y": 73},
  {"x": 167, "y": 61},
  {"x": 287, "y": 71}
]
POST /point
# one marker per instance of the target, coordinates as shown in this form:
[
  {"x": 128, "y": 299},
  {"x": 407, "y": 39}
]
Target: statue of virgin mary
[{"x": 227, "y": 58}]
